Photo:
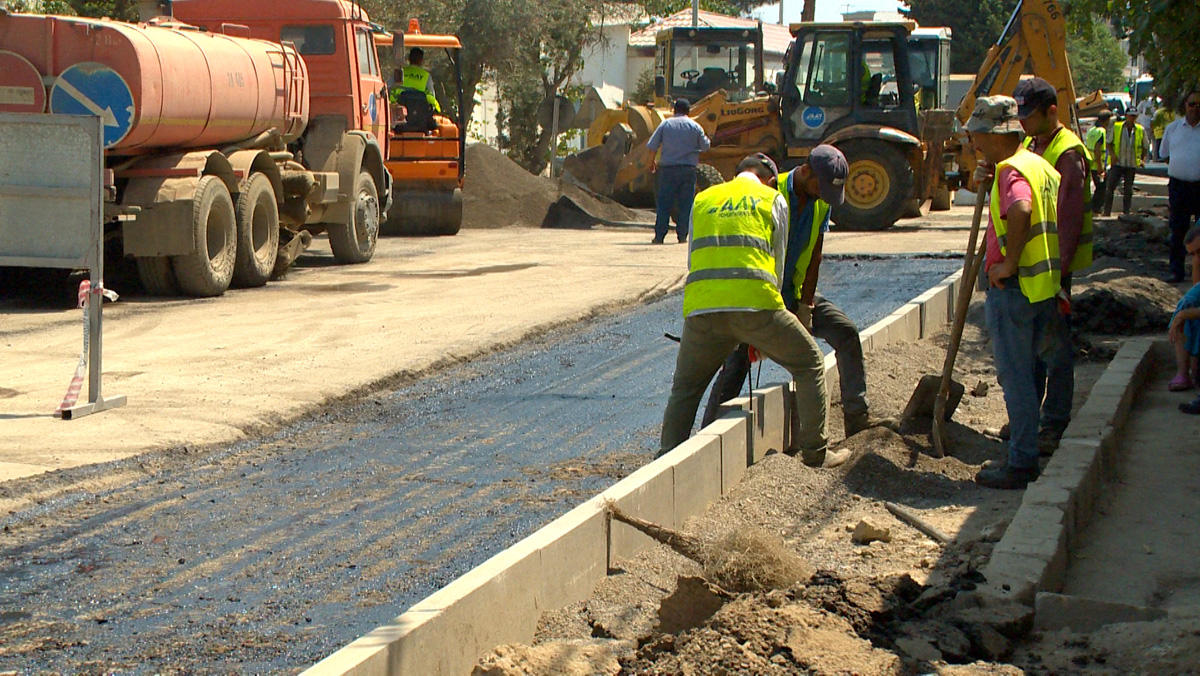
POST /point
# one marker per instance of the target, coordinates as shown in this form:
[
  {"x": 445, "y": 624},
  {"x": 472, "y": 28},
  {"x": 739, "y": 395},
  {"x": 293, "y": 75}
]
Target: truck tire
[
  {"x": 707, "y": 176},
  {"x": 257, "y": 232},
  {"x": 208, "y": 270},
  {"x": 354, "y": 242},
  {"x": 878, "y": 187},
  {"x": 424, "y": 212},
  {"x": 156, "y": 276}
]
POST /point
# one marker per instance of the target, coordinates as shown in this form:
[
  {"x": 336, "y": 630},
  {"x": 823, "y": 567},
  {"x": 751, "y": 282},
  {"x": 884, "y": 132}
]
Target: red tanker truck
[{"x": 223, "y": 154}]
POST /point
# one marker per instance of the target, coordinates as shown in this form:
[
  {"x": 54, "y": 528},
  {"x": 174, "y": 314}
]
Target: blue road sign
[{"x": 95, "y": 89}]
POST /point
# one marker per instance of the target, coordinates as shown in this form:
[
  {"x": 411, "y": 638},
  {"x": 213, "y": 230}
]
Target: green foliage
[
  {"x": 643, "y": 91},
  {"x": 117, "y": 9},
  {"x": 976, "y": 25},
  {"x": 1096, "y": 58},
  {"x": 730, "y": 7},
  {"x": 1162, "y": 31}
]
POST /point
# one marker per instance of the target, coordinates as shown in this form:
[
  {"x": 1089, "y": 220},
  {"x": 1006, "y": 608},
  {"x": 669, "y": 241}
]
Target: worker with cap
[
  {"x": 1128, "y": 148},
  {"x": 416, "y": 77},
  {"x": 732, "y": 295},
  {"x": 681, "y": 140},
  {"x": 1023, "y": 274},
  {"x": 1037, "y": 109},
  {"x": 1096, "y": 141},
  {"x": 809, "y": 209}
]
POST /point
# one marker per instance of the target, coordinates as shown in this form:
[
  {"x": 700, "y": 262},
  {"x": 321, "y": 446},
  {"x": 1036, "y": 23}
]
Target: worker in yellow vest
[
  {"x": 1023, "y": 273},
  {"x": 735, "y": 267},
  {"x": 415, "y": 76},
  {"x": 1096, "y": 141},
  {"x": 809, "y": 219},
  {"x": 1037, "y": 108},
  {"x": 1127, "y": 147}
]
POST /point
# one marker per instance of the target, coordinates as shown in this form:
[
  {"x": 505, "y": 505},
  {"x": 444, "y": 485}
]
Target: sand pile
[{"x": 499, "y": 193}]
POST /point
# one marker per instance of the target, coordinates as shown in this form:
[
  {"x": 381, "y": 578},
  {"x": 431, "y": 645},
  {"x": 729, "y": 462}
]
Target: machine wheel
[
  {"x": 707, "y": 176},
  {"x": 208, "y": 270},
  {"x": 424, "y": 212},
  {"x": 354, "y": 242},
  {"x": 878, "y": 188},
  {"x": 156, "y": 276},
  {"x": 257, "y": 232}
]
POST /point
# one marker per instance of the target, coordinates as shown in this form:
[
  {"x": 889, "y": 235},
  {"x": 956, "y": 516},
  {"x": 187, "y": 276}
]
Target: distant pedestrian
[
  {"x": 735, "y": 265},
  {"x": 681, "y": 140},
  {"x": 1162, "y": 117},
  {"x": 1022, "y": 264},
  {"x": 1128, "y": 147},
  {"x": 1181, "y": 148},
  {"x": 1097, "y": 145},
  {"x": 1054, "y": 376}
]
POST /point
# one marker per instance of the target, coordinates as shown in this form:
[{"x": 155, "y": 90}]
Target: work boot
[
  {"x": 857, "y": 422},
  {"x": 1006, "y": 478},
  {"x": 825, "y": 459},
  {"x": 1048, "y": 441},
  {"x": 1004, "y": 432}
]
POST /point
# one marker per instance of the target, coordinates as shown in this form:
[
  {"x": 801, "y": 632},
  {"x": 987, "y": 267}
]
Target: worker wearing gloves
[
  {"x": 1022, "y": 264},
  {"x": 415, "y": 76},
  {"x": 808, "y": 208},
  {"x": 732, "y": 296},
  {"x": 1037, "y": 108}
]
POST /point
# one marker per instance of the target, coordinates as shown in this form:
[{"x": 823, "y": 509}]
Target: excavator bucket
[{"x": 596, "y": 168}]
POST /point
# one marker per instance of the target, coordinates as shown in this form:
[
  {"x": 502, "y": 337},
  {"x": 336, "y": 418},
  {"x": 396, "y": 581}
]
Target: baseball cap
[
  {"x": 831, "y": 169},
  {"x": 994, "y": 115},
  {"x": 682, "y": 106},
  {"x": 1032, "y": 95}
]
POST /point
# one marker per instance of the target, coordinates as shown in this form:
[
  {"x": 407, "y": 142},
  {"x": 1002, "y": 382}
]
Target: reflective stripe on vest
[
  {"x": 1138, "y": 135},
  {"x": 416, "y": 77},
  {"x": 820, "y": 209},
  {"x": 1063, "y": 141},
  {"x": 1038, "y": 268},
  {"x": 731, "y": 264},
  {"x": 1097, "y": 134}
]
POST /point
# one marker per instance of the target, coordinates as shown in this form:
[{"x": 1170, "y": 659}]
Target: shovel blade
[{"x": 920, "y": 404}]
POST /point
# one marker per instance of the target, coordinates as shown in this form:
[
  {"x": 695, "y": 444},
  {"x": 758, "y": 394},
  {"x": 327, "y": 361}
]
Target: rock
[
  {"x": 987, "y": 643},
  {"x": 1010, "y": 618},
  {"x": 918, "y": 649},
  {"x": 577, "y": 657},
  {"x": 690, "y": 605},
  {"x": 869, "y": 530},
  {"x": 980, "y": 389}
]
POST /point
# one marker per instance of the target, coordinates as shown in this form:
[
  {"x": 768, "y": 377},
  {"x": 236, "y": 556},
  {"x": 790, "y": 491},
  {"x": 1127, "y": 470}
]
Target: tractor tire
[
  {"x": 436, "y": 213},
  {"x": 257, "y": 232},
  {"x": 354, "y": 242},
  {"x": 879, "y": 186},
  {"x": 707, "y": 176},
  {"x": 208, "y": 270},
  {"x": 156, "y": 276}
]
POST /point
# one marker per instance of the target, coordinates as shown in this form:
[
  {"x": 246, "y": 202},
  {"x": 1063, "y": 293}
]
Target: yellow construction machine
[{"x": 856, "y": 85}]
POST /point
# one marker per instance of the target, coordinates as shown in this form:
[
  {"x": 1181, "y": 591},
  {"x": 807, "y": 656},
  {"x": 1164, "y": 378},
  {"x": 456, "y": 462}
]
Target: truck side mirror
[{"x": 660, "y": 86}]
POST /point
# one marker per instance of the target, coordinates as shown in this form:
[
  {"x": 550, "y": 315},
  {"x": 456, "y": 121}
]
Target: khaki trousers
[{"x": 709, "y": 338}]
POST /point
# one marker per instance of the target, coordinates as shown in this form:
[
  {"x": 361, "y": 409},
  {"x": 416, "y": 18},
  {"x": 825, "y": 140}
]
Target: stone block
[
  {"x": 770, "y": 420},
  {"x": 648, "y": 493},
  {"x": 1059, "y": 611},
  {"x": 935, "y": 310},
  {"x": 906, "y": 323},
  {"x": 574, "y": 554},
  {"x": 1012, "y": 577},
  {"x": 697, "y": 476},
  {"x": 732, "y": 429}
]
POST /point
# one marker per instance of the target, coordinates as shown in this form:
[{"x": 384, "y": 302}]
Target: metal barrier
[{"x": 50, "y": 217}]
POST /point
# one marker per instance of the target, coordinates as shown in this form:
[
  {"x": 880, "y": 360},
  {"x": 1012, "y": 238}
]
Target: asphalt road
[{"x": 268, "y": 555}]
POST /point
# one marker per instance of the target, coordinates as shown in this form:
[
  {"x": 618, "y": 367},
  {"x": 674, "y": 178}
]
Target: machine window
[
  {"x": 825, "y": 70},
  {"x": 310, "y": 40},
  {"x": 700, "y": 69},
  {"x": 366, "y": 53},
  {"x": 879, "y": 74}
]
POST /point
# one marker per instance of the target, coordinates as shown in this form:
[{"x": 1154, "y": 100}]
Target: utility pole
[
  {"x": 695, "y": 13},
  {"x": 809, "y": 12},
  {"x": 781, "y": 13}
]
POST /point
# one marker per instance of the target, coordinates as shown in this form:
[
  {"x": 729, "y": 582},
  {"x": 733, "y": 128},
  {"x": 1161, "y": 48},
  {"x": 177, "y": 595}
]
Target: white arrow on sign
[{"x": 106, "y": 115}]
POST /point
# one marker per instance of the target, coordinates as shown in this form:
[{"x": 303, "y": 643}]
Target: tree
[
  {"x": 1097, "y": 61},
  {"x": 1161, "y": 31},
  {"x": 730, "y": 7},
  {"x": 976, "y": 25}
]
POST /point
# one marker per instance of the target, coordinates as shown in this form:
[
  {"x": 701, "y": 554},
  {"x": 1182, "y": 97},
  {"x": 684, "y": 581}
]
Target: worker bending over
[
  {"x": 1022, "y": 264},
  {"x": 732, "y": 296}
]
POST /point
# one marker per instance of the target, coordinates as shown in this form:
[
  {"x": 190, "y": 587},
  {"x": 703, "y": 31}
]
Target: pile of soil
[{"x": 499, "y": 193}]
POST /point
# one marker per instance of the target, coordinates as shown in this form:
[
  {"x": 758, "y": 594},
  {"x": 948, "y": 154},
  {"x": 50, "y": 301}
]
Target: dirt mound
[
  {"x": 1124, "y": 305},
  {"x": 499, "y": 193}
]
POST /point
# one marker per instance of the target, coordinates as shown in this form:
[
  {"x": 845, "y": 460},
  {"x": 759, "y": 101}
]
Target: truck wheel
[
  {"x": 257, "y": 232},
  {"x": 156, "y": 276},
  {"x": 878, "y": 187},
  {"x": 424, "y": 212},
  {"x": 354, "y": 242},
  {"x": 208, "y": 270},
  {"x": 707, "y": 176}
]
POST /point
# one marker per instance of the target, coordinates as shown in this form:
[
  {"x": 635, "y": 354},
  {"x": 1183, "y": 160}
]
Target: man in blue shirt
[{"x": 681, "y": 140}]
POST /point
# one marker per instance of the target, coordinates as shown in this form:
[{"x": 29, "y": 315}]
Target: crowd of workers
[{"x": 756, "y": 248}]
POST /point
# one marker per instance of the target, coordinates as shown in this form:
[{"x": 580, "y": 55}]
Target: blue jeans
[
  {"x": 1054, "y": 374},
  {"x": 1017, "y": 328},
  {"x": 676, "y": 189}
]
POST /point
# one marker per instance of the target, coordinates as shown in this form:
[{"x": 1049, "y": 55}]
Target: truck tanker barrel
[{"x": 155, "y": 86}]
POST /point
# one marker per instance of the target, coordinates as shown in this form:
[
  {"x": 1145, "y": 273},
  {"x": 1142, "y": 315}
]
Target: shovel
[{"x": 933, "y": 392}]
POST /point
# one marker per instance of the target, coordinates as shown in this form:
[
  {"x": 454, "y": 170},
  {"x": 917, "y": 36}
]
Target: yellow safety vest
[
  {"x": 732, "y": 260},
  {"x": 416, "y": 77},
  {"x": 1063, "y": 141},
  {"x": 1097, "y": 134},
  {"x": 820, "y": 211},
  {"x": 1038, "y": 268},
  {"x": 1138, "y": 135}
]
